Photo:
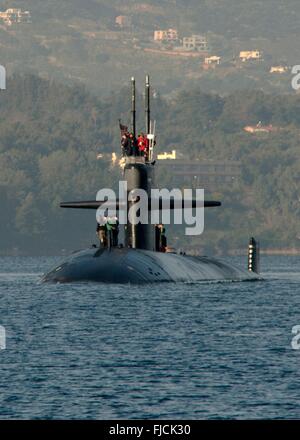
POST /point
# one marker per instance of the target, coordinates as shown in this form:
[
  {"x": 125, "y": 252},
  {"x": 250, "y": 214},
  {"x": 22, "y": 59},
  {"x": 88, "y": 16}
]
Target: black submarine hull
[{"x": 136, "y": 266}]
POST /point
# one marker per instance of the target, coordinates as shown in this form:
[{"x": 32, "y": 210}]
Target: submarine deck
[{"x": 136, "y": 266}]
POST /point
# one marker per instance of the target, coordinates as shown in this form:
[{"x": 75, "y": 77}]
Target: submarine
[{"x": 141, "y": 258}]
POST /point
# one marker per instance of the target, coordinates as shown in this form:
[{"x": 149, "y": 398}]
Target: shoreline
[
  {"x": 288, "y": 252},
  {"x": 272, "y": 252}
]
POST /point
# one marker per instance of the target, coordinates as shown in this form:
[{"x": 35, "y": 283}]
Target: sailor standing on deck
[
  {"x": 160, "y": 238},
  {"x": 112, "y": 226},
  {"x": 102, "y": 231}
]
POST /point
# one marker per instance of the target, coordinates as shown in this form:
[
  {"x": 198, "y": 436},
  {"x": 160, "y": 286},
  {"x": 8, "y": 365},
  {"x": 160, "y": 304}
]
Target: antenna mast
[
  {"x": 133, "y": 107},
  {"x": 147, "y": 104}
]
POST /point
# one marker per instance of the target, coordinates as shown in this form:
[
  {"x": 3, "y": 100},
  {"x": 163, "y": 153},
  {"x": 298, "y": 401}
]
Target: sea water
[{"x": 165, "y": 351}]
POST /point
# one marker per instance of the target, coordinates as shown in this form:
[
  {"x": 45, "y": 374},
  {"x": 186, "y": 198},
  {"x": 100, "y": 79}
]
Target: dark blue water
[{"x": 167, "y": 351}]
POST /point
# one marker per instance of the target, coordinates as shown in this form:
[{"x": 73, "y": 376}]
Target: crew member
[
  {"x": 160, "y": 237},
  {"x": 112, "y": 226},
  {"x": 147, "y": 148},
  {"x": 163, "y": 239},
  {"x": 133, "y": 144},
  {"x": 142, "y": 144},
  {"x": 126, "y": 145},
  {"x": 102, "y": 231}
]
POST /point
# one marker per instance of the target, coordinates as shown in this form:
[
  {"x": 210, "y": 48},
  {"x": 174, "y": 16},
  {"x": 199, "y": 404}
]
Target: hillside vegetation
[{"x": 51, "y": 134}]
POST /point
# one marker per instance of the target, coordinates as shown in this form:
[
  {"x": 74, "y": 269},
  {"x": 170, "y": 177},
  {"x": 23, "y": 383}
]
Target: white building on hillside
[{"x": 13, "y": 15}]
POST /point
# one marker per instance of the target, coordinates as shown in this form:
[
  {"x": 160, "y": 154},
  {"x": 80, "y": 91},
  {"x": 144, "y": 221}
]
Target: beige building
[
  {"x": 211, "y": 62},
  {"x": 13, "y": 15},
  {"x": 167, "y": 35},
  {"x": 195, "y": 43},
  {"x": 250, "y": 55},
  {"x": 279, "y": 69}
]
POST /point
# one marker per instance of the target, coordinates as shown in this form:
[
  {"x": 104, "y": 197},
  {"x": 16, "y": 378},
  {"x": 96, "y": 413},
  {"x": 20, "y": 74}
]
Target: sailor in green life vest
[{"x": 112, "y": 226}]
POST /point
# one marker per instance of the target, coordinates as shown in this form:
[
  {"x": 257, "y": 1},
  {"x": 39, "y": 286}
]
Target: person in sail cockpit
[{"x": 126, "y": 145}]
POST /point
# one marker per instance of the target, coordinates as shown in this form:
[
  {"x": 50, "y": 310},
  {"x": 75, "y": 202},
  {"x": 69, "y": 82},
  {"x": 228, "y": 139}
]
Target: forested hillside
[{"x": 50, "y": 135}]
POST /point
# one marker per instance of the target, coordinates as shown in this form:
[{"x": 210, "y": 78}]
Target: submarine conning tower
[{"x": 139, "y": 174}]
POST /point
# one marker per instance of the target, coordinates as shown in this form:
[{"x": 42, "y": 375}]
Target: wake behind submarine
[{"x": 144, "y": 256}]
